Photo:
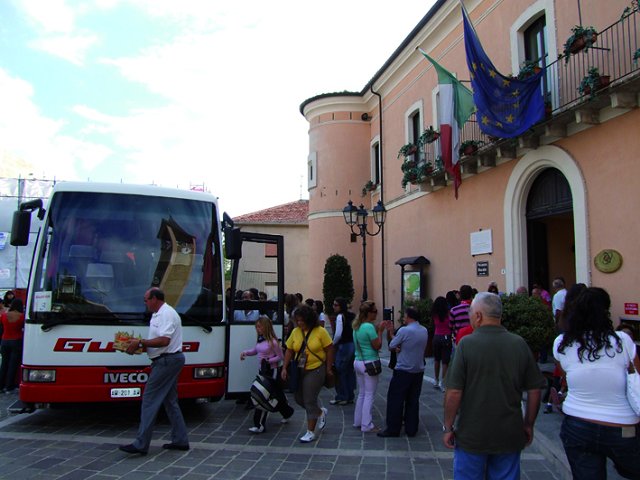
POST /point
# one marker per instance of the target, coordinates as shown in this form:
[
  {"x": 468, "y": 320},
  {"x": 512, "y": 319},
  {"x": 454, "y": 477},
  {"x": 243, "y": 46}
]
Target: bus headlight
[
  {"x": 38, "y": 376},
  {"x": 208, "y": 372}
]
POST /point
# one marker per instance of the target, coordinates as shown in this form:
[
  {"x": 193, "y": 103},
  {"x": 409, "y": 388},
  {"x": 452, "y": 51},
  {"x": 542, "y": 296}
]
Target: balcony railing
[{"x": 612, "y": 54}]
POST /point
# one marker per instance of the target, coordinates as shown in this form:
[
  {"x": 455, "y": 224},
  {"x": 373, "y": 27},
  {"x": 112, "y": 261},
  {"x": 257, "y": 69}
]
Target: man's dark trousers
[
  {"x": 162, "y": 390},
  {"x": 404, "y": 397}
]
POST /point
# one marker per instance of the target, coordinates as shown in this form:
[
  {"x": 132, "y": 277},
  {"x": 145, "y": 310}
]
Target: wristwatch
[{"x": 446, "y": 429}]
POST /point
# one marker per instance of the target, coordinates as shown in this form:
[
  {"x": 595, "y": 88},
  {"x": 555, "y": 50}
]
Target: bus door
[{"x": 261, "y": 268}]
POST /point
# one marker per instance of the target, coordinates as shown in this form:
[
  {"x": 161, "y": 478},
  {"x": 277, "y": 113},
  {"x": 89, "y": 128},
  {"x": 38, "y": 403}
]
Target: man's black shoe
[
  {"x": 131, "y": 449},
  {"x": 385, "y": 433},
  {"x": 175, "y": 446}
]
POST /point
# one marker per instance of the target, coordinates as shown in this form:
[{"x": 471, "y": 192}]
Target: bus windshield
[{"x": 101, "y": 252}]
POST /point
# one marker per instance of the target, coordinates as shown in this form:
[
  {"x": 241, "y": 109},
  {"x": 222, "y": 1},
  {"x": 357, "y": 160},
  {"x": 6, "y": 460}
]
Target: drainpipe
[{"x": 384, "y": 296}]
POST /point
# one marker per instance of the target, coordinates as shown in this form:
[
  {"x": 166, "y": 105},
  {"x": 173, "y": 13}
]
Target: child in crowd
[{"x": 270, "y": 356}]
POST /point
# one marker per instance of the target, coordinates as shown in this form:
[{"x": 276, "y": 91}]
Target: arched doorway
[
  {"x": 524, "y": 173},
  {"x": 550, "y": 237}
]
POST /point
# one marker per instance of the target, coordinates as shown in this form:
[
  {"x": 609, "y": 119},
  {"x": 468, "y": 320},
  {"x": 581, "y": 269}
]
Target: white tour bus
[{"x": 100, "y": 247}]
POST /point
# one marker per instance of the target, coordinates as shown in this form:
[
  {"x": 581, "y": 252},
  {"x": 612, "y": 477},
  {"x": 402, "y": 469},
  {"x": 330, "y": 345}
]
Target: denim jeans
[
  {"x": 367, "y": 386},
  {"x": 477, "y": 466},
  {"x": 588, "y": 445},
  {"x": 345, "y": 390}
]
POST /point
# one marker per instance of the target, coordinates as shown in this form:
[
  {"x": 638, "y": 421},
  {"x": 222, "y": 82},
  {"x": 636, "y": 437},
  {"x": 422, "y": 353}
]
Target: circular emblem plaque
[{"x": 608, "y": 261}]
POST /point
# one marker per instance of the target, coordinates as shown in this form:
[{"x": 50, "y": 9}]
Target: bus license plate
[{"x": 125, "y": 392}]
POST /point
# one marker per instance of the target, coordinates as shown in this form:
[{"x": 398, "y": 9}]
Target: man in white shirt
[
  {"x": 246, "y": 315},
  {"x": 557, "y": 304},
  {"x": 164, "y": 347}
]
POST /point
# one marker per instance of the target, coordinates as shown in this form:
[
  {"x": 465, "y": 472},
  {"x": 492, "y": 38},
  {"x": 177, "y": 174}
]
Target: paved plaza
[{"x": 80, "y": 442}]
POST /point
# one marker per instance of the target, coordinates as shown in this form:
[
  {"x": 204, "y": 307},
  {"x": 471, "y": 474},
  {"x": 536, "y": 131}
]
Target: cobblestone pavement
[{"x": 80, "y": 442}]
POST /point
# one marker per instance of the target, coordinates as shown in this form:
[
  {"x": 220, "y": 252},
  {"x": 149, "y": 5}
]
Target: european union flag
[{"x": 506, "y": 107}]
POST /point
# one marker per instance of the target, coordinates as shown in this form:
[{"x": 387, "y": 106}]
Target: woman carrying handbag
[
  {"x": 310, "y": 346},
  {"x": 368, "y": 340},
  {"x": 270, "y": 355}
]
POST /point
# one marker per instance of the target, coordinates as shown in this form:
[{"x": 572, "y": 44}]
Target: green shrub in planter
[
  {"x": 338, "y": 281},
  {"x": 529, "y": 318}
]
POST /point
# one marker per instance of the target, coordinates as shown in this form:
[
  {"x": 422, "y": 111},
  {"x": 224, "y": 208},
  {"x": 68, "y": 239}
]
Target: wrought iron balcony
[{"x": 612, "y": 54}]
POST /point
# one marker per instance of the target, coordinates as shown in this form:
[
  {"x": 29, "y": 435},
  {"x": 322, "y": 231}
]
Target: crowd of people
[
  {"x": 484, "y": 420},
  {"x": 483, "y": 370}
]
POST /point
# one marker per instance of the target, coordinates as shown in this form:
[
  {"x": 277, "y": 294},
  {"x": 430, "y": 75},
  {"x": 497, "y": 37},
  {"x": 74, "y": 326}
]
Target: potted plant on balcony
[
  {"x": 415, "y": 172},
  {"x": 407, "y": 150},
  {"x": 428, "y": 136},
  {"x": 581, "y": 39},
  {"x": 592, "y": 82},
  {"x": 469, "y": 147},
  {"x": 528, "y": 69},
  {"x": 368, "y": 187},
  {"x": 636, "y": 56}
]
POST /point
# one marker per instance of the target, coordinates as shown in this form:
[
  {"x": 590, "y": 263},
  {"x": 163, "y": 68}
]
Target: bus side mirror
[
  {"x": 20, "y": 228},
  {"x": 232, "y": 239},
  {"x": 232, "y": 243},
  {"x": 22, "y": 222}
]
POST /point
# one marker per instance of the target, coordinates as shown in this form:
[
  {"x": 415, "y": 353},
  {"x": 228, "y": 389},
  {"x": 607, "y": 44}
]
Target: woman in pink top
[
  {"x": 11, "y": 347},
  {"x": 270, "y": 357},
  {"x": 441, "y": 339}
]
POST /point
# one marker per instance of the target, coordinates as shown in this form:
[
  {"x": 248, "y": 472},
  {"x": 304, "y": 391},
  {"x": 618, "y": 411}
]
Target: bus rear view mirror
[
  {"x": 20, "y": 228},
  {"x": 22, "y": 222},
  {"x": 232, "y": 243}
]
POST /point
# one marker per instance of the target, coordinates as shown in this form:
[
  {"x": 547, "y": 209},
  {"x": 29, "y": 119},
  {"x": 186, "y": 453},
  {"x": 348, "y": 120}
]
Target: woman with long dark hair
[
  {"x": 345, "y": 353},
  {"x": 599, "y": 422},
  {"x": 11, "y": 346},
  {"x": 442, "y": 338}
]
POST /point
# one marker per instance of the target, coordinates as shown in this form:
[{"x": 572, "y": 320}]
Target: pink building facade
[{"x": 557, "y": 201}]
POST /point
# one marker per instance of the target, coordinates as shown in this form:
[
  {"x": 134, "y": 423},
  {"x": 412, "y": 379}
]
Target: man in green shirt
[{"x": 489, "y": 373}]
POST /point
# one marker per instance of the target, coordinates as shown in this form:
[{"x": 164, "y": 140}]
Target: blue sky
[{"x": 182, "y": 92}]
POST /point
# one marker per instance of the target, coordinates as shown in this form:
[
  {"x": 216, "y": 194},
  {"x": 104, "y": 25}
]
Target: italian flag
[{"x": 455, "y": 106}]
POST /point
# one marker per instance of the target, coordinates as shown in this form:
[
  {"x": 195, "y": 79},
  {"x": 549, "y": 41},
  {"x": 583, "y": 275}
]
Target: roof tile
[{"x": 289, "y": 213}]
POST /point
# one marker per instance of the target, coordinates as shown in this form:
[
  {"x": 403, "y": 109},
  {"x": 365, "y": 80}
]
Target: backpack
[{"x": 263, "y": 393}]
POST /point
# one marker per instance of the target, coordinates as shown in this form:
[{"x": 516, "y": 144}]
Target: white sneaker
[
  {"x": 259, "y": 429},
  {"x": 322, "y": 421},
  {"x": 308, "y": 437}
]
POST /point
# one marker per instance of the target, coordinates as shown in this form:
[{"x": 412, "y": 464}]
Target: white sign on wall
[{"x": 481, "y": 242}]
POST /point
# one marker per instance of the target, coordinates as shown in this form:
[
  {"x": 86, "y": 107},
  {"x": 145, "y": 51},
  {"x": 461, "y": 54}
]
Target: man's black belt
[{"x": 162, "y": 355}]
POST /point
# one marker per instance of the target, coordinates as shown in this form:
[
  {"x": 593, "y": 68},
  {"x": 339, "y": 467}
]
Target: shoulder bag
[
  {"x": 329, "y": 381},
  {"x": 372, "y": 368},
  {"x": 296, "y": 366},
  {"x": 633, "y": 386}
]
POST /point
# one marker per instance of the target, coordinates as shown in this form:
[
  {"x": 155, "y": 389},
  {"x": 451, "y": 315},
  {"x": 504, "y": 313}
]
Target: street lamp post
[{"x": 357, "y": 217}]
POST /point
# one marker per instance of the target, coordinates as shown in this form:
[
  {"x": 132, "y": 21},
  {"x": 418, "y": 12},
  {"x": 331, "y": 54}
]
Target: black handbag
[{"x": 372, "y": 368}]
